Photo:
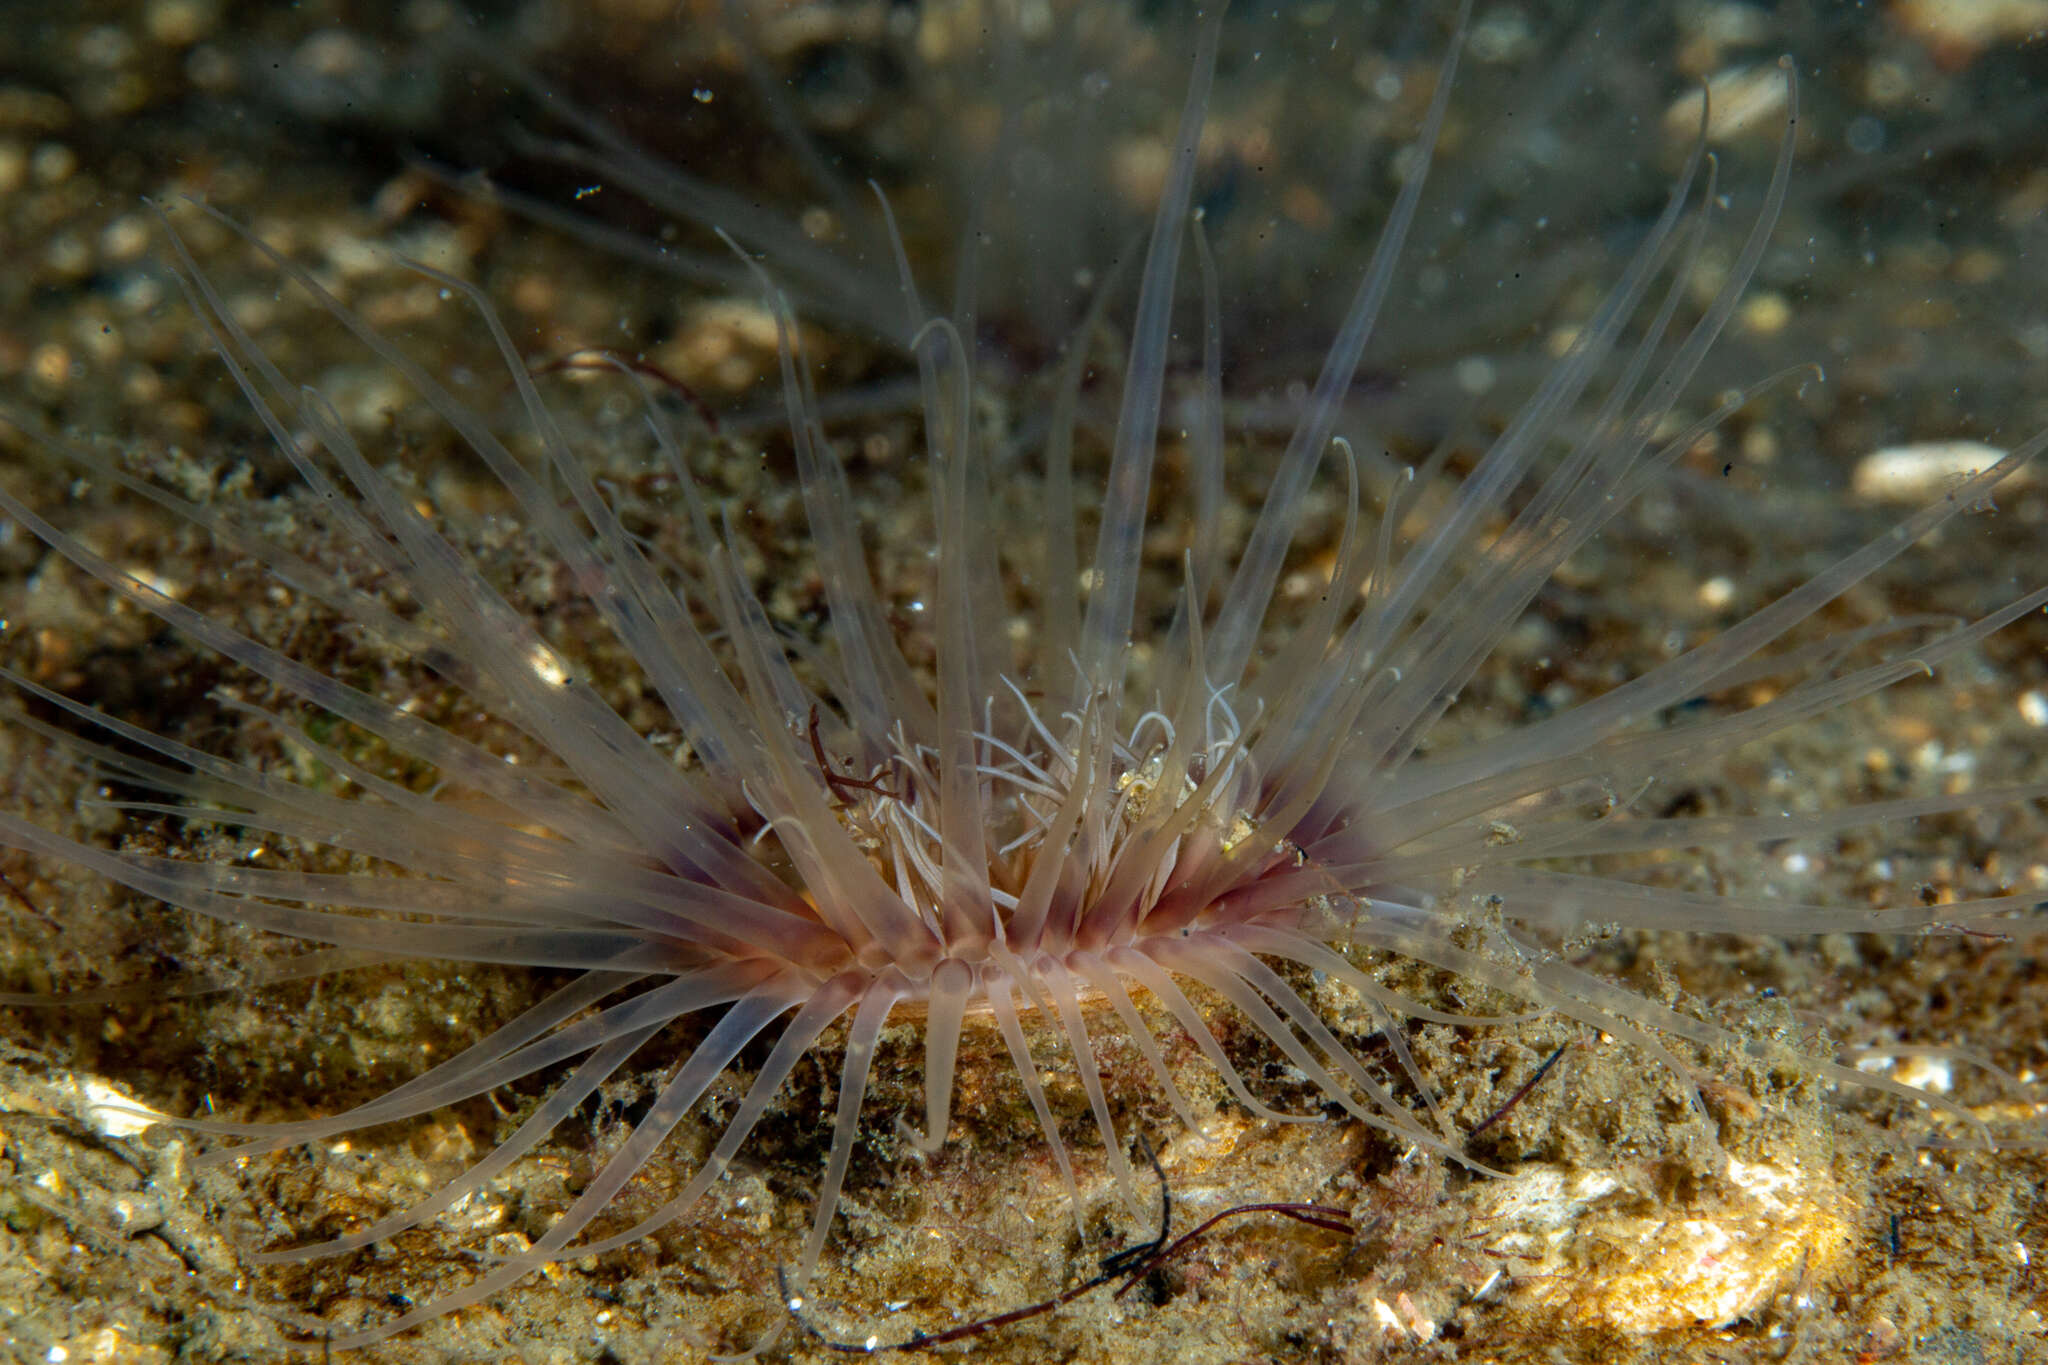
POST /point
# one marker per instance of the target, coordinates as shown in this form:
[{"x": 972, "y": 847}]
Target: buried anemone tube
[{"x": 1028, "y": 830}]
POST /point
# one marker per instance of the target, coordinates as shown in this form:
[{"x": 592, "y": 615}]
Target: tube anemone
[{"x": 1041, "y": 833}]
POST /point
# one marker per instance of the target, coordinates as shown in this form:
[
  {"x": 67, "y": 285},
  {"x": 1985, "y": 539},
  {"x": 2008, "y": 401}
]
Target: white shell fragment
[
  {"x": 1925, "y": 469},
  {"x": 112, "y": 1113},
  {"x": 1611, "y": 1253}
]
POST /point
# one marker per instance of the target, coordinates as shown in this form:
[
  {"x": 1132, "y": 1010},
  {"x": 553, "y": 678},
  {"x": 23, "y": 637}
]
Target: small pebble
[
  {"x": 2033, "y": 705},
  {"x": 1955, "y": 31},
  {"x": 180, "y": 23},
  {"x": 1740, "y": 100},
  {"x": 1925, "y": 469}
]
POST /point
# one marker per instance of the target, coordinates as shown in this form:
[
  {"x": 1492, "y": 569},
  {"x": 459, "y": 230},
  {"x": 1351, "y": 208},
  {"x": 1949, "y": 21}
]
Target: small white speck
[
  {"x": 1717, "y": 592},
  {"x": 547, "y": 666},
  {"x": 157, "y": 583},
  {"x": 1475, "y": 375},
  {"x": 702, "y": 95},
  {"x": 796, "y": 1304},
  {"x": 1935, "y": 1074},
  {"x": 57, "y": 1355}
]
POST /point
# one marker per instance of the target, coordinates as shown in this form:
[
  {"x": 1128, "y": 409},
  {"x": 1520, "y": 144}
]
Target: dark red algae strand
[
  {"x": 1521, "y": 1093},
  {"x": 1132, "y": 1264},
  {"x": 640, "y": 365}
]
